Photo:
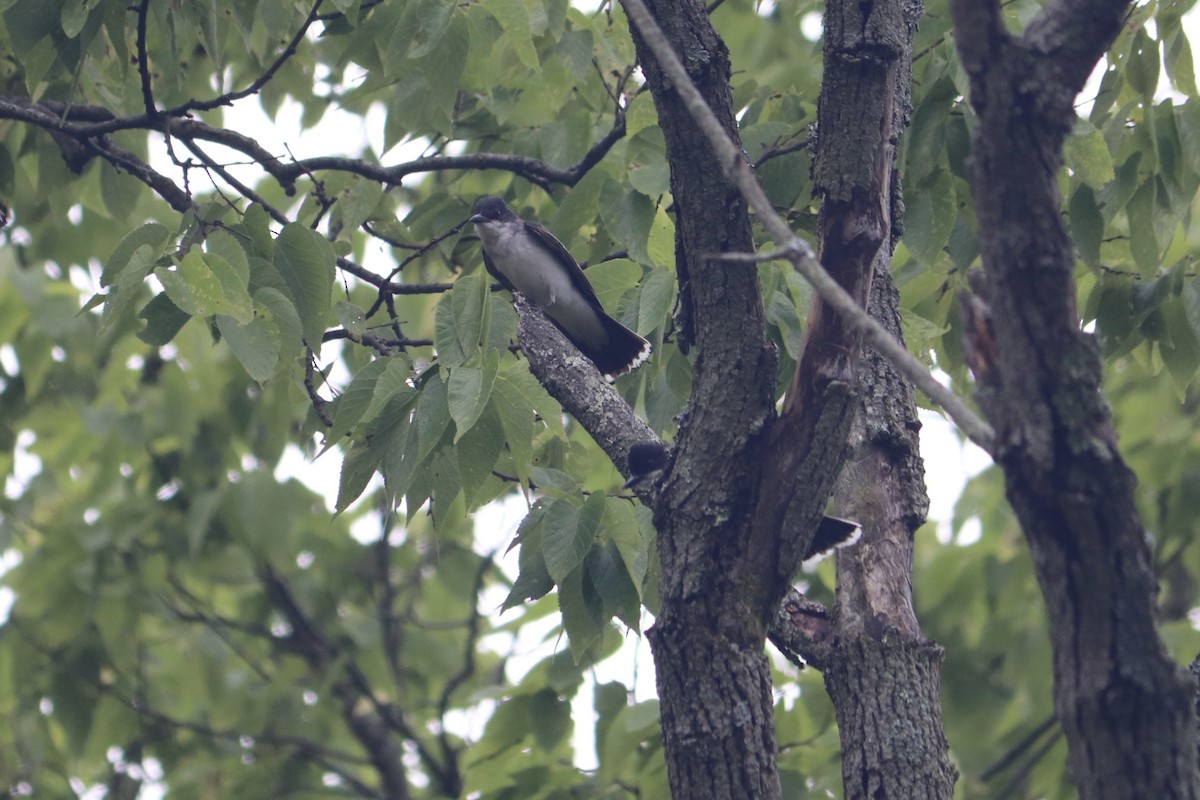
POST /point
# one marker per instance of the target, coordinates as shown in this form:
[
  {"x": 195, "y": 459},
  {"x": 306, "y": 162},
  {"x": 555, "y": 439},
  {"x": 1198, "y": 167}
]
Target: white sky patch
[
  {"x": 812, "y": 26},
  {"x": 26, "y": 465},
  {"x": 950, "y": 461},
  {"x": 8, "y": 560}
]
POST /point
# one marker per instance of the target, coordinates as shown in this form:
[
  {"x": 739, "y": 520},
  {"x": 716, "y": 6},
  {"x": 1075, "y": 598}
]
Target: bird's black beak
[{"x": 477, "y": 218}]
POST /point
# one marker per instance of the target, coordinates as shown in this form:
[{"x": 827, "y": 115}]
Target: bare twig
[
  {"x": 318, "y": 402},
  {"x": 260, "y": 82},
  {"x": 143, "y": 61}
]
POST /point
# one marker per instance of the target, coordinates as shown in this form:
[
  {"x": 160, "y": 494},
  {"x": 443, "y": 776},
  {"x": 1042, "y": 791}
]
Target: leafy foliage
[{"x": 172, "y": 322}]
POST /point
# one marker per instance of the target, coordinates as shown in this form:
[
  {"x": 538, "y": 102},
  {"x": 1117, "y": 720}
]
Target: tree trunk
[
  {"x": 882, "y": 676},
  {"x": 1124, "y": 705},
  {"x": 714, "y": 681}
]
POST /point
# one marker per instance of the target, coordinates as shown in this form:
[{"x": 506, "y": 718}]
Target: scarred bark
[
  {"x": 882, "y": 676},
  {"x": 1124, "y": 706},
  {"x": 737, "y": 508}
]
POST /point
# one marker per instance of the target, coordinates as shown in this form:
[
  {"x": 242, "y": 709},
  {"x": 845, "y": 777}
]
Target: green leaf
[
  {"x": 1087, "y": 155},
  {"x": 929, "y": 218},
  {"x": 568, "y": 533},
  {"x": 120, "y": 193},
  {"x": 152, "y": 235},
  {"x": 1087, "y": 224},
  {"x": 1191, "y": 304},
  {"x": 627, "y": 216},
  {"x": 1115, "y": 197},
  {"x": 357, "y": 204},
  {"x": 521, "y": 388},
  {"x": 614, "y": 584},
  {"x": 549, "y": 719},
  {"x": 392, "y": 383},
  {"x": 477, "y": 452},
  {"x": 611, "y": 279},
  {"x": 444, "y": 64},
  {"x": 354, "y": 401},
  {"x": 283, "y": 314},
  {"x": 428, "y": 21},
  {"x": 1143, "y": 243},
  {"x": 622, "y": 527},
  {"x": 470, "y": 388},
  {"x": 533, "y": 579},
  {"x": 1142, "y": 69},
  {"x": 640, "y": 114},
  {"x": 577, "y": 211},
  {"x": 658, "y": 296},
  {"x": 1181, "y": 354},
  {"x": 350, "y": 317},
  {"x": 29, "y": 23},
  {"x": 459, "y": 320},
  {"x": 224, "y": 244},
  {"x": 432, "y": 416},
  {"x": 782, "y": 313},
  {"x": 128, "y": 284},
  {"x": 446, "y": 482},
  {"x": 305, "y": 260},
  {"x": 193, "y": 287},
  {"x": 1177, "y": 58},
  {"x": 517, "y": 420},
  {"x": 255, "y": 344},
  {"x": 1187, "y": 122},
  {"x": 358, "y": 467},
  {"x": 582, "y": 612},
  {"x": 236, "y": 299},
  {"x": 256, "y": 226},
  {"x": 661, "y": 246},
  {"x": 163, "y": 318},
  {"x": 514, "y": 19}
]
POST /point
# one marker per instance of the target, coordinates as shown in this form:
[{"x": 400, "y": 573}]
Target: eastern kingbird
[
  {"x": 526, "y": 258},
  {"x": 647, "y": 460}
]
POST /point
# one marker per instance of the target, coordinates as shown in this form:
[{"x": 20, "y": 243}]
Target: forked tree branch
[{"x": 795, "y": 249}]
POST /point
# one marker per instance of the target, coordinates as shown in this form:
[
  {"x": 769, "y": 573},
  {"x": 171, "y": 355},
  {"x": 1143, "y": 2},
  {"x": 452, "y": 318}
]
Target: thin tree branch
[
  {"x": 143, "y": 61},
  {"x": 261, "y": 81},
  {"x": 140, "y": 707},
  {"x": 371, "y": 730},
  {"x": 798, "y": 251}
]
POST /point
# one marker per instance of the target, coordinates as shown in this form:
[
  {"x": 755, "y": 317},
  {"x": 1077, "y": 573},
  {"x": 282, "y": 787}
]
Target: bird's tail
[{"x": 623, "y": 350}]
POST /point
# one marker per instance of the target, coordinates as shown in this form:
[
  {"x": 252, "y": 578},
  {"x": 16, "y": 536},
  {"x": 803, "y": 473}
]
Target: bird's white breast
[{"x": 541, "y": 278}]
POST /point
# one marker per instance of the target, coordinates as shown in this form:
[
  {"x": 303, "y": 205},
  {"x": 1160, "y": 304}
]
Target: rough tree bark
[
  {"x": 1124, "y": 705},
  {"x": 739, "y": 504},
  {"x": 714, "y": 681},
  {"x": 882, "y": 676}
]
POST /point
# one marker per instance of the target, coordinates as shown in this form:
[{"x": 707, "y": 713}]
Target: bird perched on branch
[{"x": 526, "y": 258}]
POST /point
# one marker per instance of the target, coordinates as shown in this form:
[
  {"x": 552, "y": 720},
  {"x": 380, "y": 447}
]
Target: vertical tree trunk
[
  {"x": 882, "y": 676},
  {"x": 714, "y": 681},
  {"x": 1125, "y": 707}
]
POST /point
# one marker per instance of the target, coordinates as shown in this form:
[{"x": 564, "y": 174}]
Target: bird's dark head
[
  {"x": 646, "y": 462},
  {"x": 491, "y": 209}
]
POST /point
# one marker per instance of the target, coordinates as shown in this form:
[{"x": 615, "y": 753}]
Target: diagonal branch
[
  {"x": 572, "y": 380},
  {"x": 798, "y": 251}
]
